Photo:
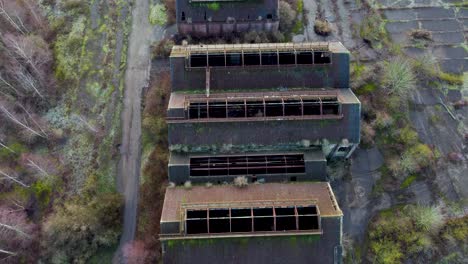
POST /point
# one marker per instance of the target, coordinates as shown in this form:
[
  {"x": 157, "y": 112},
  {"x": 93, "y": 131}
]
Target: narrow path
[{"x": 136, "y": 78}]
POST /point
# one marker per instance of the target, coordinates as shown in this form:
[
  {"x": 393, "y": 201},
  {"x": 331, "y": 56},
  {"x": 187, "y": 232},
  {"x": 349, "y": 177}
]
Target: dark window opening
[
  {"x": 269, "y": 58},
  {"x": 251, "y": 59},
  {"x": 236, "y": 109},
  {"x": 287, "y": 58},
  {"x": 308, "y": 222},
  {"x": 344, "y": 149},
  {"x": 216, "y": 60},
  {"x": 241, "y": 220},
  {"x": 219, "y": 221},
  {"x": 304, "y": 57},
  {"x": 233, "y": 59},
  {"x": 198, "y": 60},
  {"x": 285, "y": 219},
  {"x": 292, "y": 107},
  {"x": 263, "y": 219},
  {"x": 258, "y": 108},
  {"x": 182, "y": 17},
  {"x": 311, "y": 107},
  {"x": 274, "y": 108},
  {"x": 322, "y": 58},
  {"x": 269, "y": 16},
  {"x": 255, "y": 109},
  {"x": 204, "y": 16},
  {"x": 330, "y": 107},
  {"x": 198, "y": 110},
  {"x": 247, "y": 165},
  {"x": 255, "y": 219},
  {"x": 293, "y": 179},
  {"x": 217, "y": 109}
]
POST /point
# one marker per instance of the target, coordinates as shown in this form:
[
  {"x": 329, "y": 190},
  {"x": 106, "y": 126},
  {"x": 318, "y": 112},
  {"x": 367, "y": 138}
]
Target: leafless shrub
[
  {"x": 322, "y": 27},
  {"x": 241, "y": 182},
  {"x": 188, "y": 185},
  {"x": 421, "y": 34}
]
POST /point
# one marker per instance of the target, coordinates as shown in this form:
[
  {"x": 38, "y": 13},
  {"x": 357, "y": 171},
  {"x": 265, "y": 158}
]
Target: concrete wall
[
  {"x": 334, "y": 75},
  {"x": 321, "y": 249},
  {"x": 248, "y": 10},
  {"x": 203, "y": 29},
  {"x": 315, "y": 171},
  {"x": 268, "y": 132}
]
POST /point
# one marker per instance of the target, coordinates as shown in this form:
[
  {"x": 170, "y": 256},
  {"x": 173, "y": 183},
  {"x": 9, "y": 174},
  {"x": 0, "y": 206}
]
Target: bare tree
[
  {"x": 14, "y": 179},
  {"x": 11, "y": 15},
  {"x": 19, "y": 120}
]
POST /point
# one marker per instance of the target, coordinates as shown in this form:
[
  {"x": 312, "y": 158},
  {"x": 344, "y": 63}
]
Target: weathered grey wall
[
  {"x": 203, "y": 29},
  {"x": 334, "y": 75},
  {"x": 323, "y": 249},
  {"x": 268, "y": 132},
  {"x": 248, "y": 10}
]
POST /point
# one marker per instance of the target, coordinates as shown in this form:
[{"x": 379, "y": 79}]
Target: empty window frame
[
  {"x": 264, "y": 58},
  {"x": 269, "y": 58},
  {"x": 216, "y": 60},
  {"x": 252, "y": 219},
  {"x": 198, "y": 60},
  {"x": 266, "y": 107},
  {"x": 321, "y": 57},
  {"x": 287, "y": 58},
  {"x": 246, "y": 165}
]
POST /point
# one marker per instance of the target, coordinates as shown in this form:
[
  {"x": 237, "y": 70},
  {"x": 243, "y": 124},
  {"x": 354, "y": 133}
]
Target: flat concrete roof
[
  {"x": 184, "y": 51},
  {"x": 319, "y": 193},
  {"x": 345, "y": 96}
]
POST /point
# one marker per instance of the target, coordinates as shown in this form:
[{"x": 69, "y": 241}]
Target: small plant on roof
[
  {"x": 208, "y": 185},
  {"x": 241, "y": 182},
  {"x": 322, "y": 27},
  {"x": 421, "y": 34},
  {"x": 188, "y": 185}
]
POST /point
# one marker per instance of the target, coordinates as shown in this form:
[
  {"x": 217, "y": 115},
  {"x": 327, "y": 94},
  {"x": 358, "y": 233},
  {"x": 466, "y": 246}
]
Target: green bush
[
  {"x": 408, "y": 181},
  {"x": 14, "y": 151},
  {"x": 75, "y": 231},
  {"x": 398, "y": 77},
  {"x": 373, "y": 30},
  {"x": 287, "y": 16},
  {"x": 407, "y": 136},
  {"x": 426, "y": 218},
  {"x": 158, "y": 15}
]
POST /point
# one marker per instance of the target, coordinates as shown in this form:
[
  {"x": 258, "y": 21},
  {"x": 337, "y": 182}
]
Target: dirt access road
[{"x": 136, "y": 78}]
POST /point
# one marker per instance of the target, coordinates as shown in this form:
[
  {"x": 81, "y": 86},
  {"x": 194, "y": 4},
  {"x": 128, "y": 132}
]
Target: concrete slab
[
  {"x": 441, "y": 25},
  {"x": 454, "y": 65},
  {"x": 400, "y": 14},
  {"x": 463, "y": 12},
  {"x": 395, "y": 27},
  {"x": 448, "y": 37},
  {"x": 414, "y": 52},
  {"x": 448, "y": 52},
  {"x": 399, "y": 38},
  {"x": 433, "y": 13}
]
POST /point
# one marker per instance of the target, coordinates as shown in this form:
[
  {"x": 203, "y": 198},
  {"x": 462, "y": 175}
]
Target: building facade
[
  {"x": 223, "y": 17},
  {"x": 274, "y": 114}
]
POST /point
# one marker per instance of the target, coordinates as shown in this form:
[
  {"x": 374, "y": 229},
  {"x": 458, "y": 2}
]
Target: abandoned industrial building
[
  {"x": 274, "y": 114},
  {"x": 210, "y": 18}
]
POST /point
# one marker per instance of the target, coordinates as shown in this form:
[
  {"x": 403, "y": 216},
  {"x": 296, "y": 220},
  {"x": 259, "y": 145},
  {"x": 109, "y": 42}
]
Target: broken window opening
[
  {"x": 182, "y": 17},
  {"x": 322, "y": 57},
  {"x": 216, "y": 60},
  {"x": 269, "y": 58},
  {"x": 269, "y": 16},
  {"x": 251, "y": 59},
  {"x": 198, "y": 60},
  {"x": 287, "y": 58},
  {"x": 247, "y": 165},
  {"x": 233, "y": 59},
  {"x": 304, "y": 57},
  {"x": 253, "y": 219}
]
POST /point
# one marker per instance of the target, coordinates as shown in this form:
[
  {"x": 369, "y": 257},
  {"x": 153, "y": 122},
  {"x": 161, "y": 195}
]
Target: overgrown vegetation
[
  {"x": 60, "y": 79},
  {"x": 416, "y": 233},
  {"x": 157, "y": 15},
  {"x": 322, "y": 27}
]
